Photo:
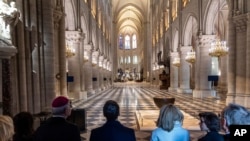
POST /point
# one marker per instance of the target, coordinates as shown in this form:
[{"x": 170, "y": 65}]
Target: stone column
[
  {"x": 203, "y": 68},
  {"x": 21, "y": 68},
  {"x": 184, "y": 71},
  {"x": 49, "y": 51},
  {"x": 248, "y": 62},
  {"x": 1, "y": 88},
  {"x": 101, "y": 72},
  {"x": 96, "y": 78},
  {"x": 231, "y": 57},
  {"x": 174, "y": 75},
  {"x": 241, "y": 56},
  {"x": 105, "y": 73},
  {"x": 74, "y": 39},
  {"x": 248, "y": 55},
  {"x": 6, "y": 75},
  {"x": 62, "y": 54},
  {"x": 88, "y": 68}
]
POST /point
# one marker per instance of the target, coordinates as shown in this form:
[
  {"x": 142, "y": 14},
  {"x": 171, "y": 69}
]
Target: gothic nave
[
  {"x": 134, "y": 97},
  {"x": 94, "y": 50}
]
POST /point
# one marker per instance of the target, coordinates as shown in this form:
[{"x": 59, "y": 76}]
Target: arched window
[
  {"x": 129, "y": 60},
  {"x": 127, "y": 42},
  {"x": 174, "y": 9},
  {"x": 120, "y": 42},
  {"x": 135, "y": 60},
  {"x": 134, "y": 45},
  {"x": 121, "y": 60}
]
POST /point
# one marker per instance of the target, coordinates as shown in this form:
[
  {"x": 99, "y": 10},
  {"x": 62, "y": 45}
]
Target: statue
[{"x": 9, "y": 16}]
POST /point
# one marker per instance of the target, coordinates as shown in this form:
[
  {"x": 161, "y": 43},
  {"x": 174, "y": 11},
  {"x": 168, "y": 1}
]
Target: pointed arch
[
  {"x": 175, "y": 41},
  {"x": 190, "y": 30}
]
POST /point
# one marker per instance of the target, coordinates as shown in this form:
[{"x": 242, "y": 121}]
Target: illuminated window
[
  {"x": 174, "y": 9},
  {"x": 135, "y": 60},
  {"x": 128, "y": 60},
  {"x": 134, "y": 45},
  {"x": 120, "y": 42},
  {"x": 127, "y": 42},
  {"x": 121, "y": 60}
]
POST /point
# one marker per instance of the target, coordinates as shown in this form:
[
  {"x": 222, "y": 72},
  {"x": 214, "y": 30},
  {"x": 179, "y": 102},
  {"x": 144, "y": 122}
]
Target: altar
[{"x": 146, "y": 120}]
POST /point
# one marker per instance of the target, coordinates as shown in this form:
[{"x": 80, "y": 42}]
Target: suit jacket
[
  {"x": 57, "y": 129},
  {"x": 212, "y": 136},
  {"x": 112, "y": 131}
]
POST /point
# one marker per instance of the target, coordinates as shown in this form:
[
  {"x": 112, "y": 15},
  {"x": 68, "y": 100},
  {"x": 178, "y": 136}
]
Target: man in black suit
[
  {"x": 57, "y": 128},
  {"x": 112, "y": 130},
  {"x": 210, "y": 123}
]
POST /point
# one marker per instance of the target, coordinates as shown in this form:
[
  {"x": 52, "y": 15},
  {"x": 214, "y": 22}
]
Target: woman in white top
[{"x": 169, "y": 125}]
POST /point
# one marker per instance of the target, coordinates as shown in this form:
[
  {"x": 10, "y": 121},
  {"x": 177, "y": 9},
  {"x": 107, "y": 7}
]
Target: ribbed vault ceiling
[{"x": 128, "y": 15}]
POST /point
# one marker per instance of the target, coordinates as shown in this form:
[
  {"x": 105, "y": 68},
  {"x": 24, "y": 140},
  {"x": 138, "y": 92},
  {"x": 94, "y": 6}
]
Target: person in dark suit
[
  {"x": 57, "y": 128},
  {"x": 210, "y": 123},
  {"x": 112, "y": 130},
  {"x": 23, "y": 126}
]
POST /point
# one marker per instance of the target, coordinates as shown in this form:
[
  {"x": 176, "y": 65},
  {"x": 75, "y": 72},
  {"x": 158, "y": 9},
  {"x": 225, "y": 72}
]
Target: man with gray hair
[
  {"x": 234, "y": 114},
  {"x": 57, "y": 128}
]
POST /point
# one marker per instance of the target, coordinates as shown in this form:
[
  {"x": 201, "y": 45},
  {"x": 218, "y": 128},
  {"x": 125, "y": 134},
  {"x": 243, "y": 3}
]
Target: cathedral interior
[{"x": 197, "y": 51}]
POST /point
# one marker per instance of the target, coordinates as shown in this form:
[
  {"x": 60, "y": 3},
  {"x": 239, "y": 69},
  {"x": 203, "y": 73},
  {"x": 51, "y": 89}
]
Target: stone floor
[{"x": 138, "y": 97}]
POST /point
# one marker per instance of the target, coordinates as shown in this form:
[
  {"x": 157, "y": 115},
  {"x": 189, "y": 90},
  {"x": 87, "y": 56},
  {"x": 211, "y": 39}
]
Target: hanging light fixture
[
  {"x": 218, "y": 48},
  {"x": 70, "y": 51},
  {"x": 191, "y": 54},
  {"x": 177, "y": 62}
]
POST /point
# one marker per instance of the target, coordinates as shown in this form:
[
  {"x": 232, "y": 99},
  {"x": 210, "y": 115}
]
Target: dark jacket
[
  {"x": 57, "y": 129},
  {"x": 212, "y": 136},
  {"x": 17, "y": 137},
  {"x": 112, "y": 131}
]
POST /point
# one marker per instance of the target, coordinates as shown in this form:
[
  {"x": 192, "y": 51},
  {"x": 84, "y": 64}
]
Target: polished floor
[{"x": 134, "y": 97}]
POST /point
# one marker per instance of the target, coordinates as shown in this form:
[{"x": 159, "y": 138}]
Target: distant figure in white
[{"x": 9, "y": 16}]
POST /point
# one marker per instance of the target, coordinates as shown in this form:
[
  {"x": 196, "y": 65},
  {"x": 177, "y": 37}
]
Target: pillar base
[
  {"x": 185, "y": 91},
  {"x": 90, "y": 92},
  {"x": 83, "y": 95},
  {"x": 204, "y": 93},
  {"x": 171, "y": 89},
  {"x": 98, "y": 90},
  {"x": 241, "y": 99}
]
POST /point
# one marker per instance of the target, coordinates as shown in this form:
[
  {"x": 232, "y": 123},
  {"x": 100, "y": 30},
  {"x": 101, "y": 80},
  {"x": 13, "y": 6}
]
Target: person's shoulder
[
  {"x": 72, "y": 125},
  {"x": 158, "y": 129},
  {"x": 126, "y": 128}
]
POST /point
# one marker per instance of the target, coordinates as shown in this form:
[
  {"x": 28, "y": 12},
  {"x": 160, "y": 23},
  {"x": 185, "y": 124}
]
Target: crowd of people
[{"x": 169, "y": 125}]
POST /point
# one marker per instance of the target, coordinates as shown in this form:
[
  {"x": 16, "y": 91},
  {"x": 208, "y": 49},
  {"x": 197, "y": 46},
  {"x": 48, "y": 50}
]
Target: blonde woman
[
  {"x": 6, "y": 128},
  {"x": 169, "y": 125}
]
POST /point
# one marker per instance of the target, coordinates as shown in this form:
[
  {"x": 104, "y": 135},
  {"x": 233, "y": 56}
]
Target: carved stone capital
[
  {"x": 57, "y": 16},
  {"x": 174, "y": 54},
  {"x": 74, "y": 36},
  {"x": 241, "y": 22},
  {"x": 185, "y": 49},
  {"x": 101, "y": 58},
  {"x": 206, "y": 40},
  {"x": 6, "y": 50},
  {"x": 88, "y": 48},
  {"x": 95, "y": 54}
]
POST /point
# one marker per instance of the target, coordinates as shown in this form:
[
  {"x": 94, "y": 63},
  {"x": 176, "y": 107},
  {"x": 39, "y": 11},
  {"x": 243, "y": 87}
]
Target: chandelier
[
  {"x": 176, "y": 62},
  {"x": 190, "y": 57},
  {"x": 70, "y": 51},
  {"x": 218, "y": 48}
]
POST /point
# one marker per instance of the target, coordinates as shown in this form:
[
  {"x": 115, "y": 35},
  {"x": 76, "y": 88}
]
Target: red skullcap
[{"x": 60, "y": 101}]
